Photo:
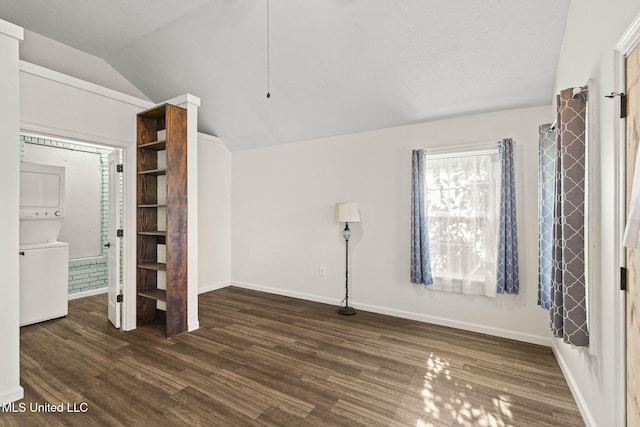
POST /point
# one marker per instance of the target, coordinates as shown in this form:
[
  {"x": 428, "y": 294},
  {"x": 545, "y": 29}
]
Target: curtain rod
[
  {"x": 468, "y": 147},
  {"x": 576, "y": 91}
]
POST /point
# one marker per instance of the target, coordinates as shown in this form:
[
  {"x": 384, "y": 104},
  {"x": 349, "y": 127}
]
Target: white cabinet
[{"x": 44, "y": 282}]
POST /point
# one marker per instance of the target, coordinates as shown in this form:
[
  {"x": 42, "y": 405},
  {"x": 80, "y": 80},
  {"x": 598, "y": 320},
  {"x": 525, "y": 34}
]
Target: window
[
  {"x": 464, "y": 221},
  {"x": 463, "y": 208}
]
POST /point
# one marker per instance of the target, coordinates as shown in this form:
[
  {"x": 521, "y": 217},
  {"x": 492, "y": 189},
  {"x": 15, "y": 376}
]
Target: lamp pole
[{"x": 346, "y": 310}]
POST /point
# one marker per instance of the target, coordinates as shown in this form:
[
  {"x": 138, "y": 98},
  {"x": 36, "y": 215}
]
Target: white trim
[
  {"x": 187, "y": 98},
  {"x": 587, "y": 416},
  {"x": 466, "y": 152},
  {"x": 77, "y": 83},
  {"x": 49, "y": 131},
  {"x": 129, "y": 248},
  {"x": 212, "y": 287},
  {"x": 90, "y": 293},
  {"x": 68, "y": 140},
  {"x": 287, "y": 293},
  {"x": 503, "y": 333},
  {"x": 591, "y": 224},
  {"x": 617, "y": 256},
  {"x": 192, "y": 326},
  {"x": 210, "y": 138},
  {"x": 11, "y": 30},
  {"x": 12, "y": 395},
  {"x": 630, "y": 39},
  {"x": 481, "y": 146},
  {"x": 452, "y": 323}
]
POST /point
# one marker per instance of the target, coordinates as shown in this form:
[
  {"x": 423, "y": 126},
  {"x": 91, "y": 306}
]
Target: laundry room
[{"x": 82, "y": 219}]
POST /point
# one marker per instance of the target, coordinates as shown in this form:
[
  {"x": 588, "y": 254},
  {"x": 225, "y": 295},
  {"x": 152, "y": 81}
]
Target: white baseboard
[
  {"x": 452, "y": 323},
  {"x": 573, "y": 386},
  {"x": 192, "y": 326},
  {"x": 287, "y": 293},
  {"x": 90, "y": 293},
  {"x": 212, "y": 287},
  {"x": 12, "y": 395}
]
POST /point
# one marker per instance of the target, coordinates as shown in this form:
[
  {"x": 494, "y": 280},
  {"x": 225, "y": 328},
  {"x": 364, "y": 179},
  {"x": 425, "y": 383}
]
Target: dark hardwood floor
[{"x": 262, "y": 359}]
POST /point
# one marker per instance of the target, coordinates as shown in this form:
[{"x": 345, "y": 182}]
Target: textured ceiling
[{"x": 336, "y": 66}]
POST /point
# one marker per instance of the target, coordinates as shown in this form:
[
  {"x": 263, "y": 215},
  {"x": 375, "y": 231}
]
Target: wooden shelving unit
[{"x": 162, "y": 221}]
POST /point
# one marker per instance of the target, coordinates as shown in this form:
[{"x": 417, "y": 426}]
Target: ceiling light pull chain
[{"x": 268, "y": 55}]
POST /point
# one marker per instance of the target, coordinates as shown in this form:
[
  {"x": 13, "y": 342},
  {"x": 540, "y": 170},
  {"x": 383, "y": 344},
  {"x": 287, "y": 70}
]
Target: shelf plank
[
  {"x": 153, "y": 172},
  {"x": 158, "y": 266},
  {"x": 155, "y": 145},
  {"x": 153, "y": 206},
  {"x": 156, "y": 294},
  {"x": 152, "y": 233}
]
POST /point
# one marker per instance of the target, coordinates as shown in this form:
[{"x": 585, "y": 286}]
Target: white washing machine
[
  {"x": 44, "y": 262},
  {"x": 44, "y": 282}
]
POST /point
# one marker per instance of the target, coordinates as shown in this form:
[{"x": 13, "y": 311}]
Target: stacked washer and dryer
[{"x": 44, "y": 262}]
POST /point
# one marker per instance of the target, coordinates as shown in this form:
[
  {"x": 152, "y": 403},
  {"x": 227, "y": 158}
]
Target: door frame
[
  {"x": 114, "y": 286},
  {"x": 628, "y": 42},
  {"x": 128, "y": 319}
]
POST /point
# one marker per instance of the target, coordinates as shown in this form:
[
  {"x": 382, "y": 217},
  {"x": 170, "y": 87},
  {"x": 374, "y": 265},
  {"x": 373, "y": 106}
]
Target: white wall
[
  {"x": 58, "y": 105},
  {"x": 214, "y": 205},
  {"x": 593, "y": 28},
  {"x": 82, "y": 225},
  {"x": 53, "y": 55},
  {"x": 283, "y": 202},
  {"x": 10, "y": 389}
]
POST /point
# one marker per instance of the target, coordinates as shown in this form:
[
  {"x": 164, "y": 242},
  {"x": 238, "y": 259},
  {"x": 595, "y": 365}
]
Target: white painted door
[{"x": 114, "y": 247}]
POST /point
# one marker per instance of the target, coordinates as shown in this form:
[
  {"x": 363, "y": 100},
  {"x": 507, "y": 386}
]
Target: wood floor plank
[{"x": 266, "y": 360}]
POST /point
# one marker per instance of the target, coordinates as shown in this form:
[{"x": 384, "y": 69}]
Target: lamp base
[{"x": 347, "y": 311}]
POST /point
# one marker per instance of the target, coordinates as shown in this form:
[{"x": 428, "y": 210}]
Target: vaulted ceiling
[{"x": 336, "y": 66}]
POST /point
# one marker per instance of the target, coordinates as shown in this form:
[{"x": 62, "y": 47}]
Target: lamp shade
[{"x": 347, "y": 212}]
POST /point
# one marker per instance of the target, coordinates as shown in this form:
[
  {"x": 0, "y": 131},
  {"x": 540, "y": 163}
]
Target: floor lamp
[{"x": 347, "y": 212}]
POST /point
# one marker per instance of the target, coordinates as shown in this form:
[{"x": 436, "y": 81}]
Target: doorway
[{"x": 95, "y": 256}]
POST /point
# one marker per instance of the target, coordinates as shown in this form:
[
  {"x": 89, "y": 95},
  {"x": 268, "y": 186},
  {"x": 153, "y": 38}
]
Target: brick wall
[{"x": 86, "y": 274}]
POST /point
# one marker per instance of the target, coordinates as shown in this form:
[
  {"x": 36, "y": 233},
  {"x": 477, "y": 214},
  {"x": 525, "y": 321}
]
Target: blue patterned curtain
[
  {"x": 420, "y": 260},
  {"x": 546, "y": 198},
  {"x": 507, "y": 275}
]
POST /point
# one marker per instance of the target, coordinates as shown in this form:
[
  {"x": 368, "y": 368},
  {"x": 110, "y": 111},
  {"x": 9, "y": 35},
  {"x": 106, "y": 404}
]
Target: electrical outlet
[
  {"x": 322, "y": 272},
  {"x": 520, "y": 299}
]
